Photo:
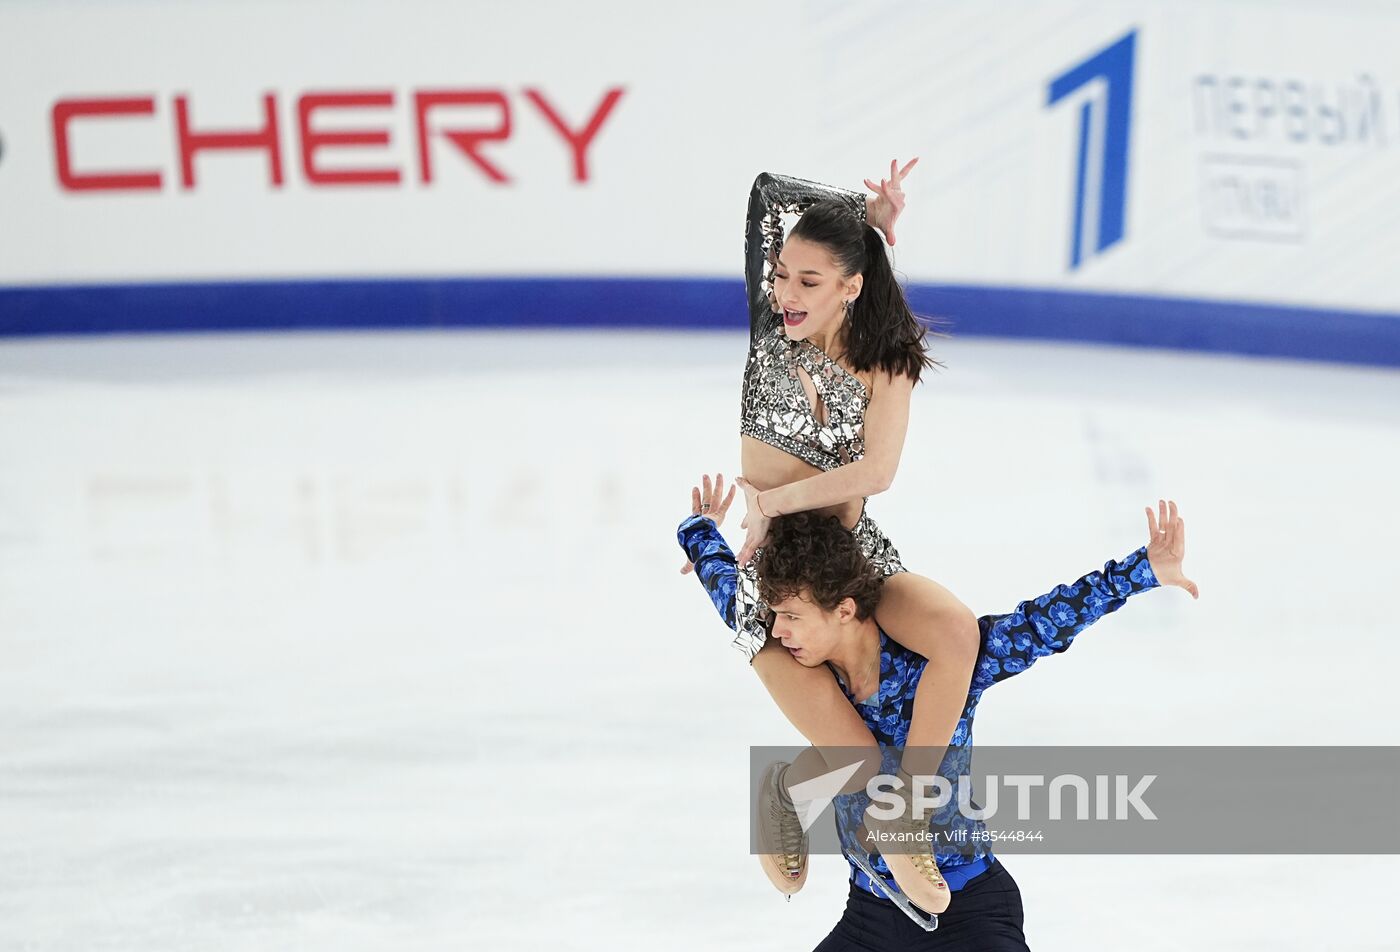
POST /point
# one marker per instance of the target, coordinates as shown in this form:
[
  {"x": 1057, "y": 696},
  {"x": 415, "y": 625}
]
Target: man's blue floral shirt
[{"x": 1011, "y": 643}]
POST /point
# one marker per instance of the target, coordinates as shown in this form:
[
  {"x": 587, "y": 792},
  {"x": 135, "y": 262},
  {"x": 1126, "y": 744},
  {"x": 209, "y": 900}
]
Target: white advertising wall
[{"x": 1213, "y": 174}]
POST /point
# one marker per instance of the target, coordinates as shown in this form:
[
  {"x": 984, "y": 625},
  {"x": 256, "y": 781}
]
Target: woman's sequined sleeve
[{"x": 772, "y": 197}]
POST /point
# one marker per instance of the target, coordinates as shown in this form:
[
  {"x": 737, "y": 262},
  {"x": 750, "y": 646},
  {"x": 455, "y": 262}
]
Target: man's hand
[
  {"x": 709, "y": 500},
  {"x": 1166, "y": 546}
]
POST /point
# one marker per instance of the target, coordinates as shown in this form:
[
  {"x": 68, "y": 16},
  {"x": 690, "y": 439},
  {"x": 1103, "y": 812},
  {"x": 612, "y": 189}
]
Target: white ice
[{"x": 377, "y": 641}]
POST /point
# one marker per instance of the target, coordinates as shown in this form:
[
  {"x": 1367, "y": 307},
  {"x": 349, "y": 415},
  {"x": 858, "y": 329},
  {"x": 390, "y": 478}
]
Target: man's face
[{"x": 807, "y": 630}]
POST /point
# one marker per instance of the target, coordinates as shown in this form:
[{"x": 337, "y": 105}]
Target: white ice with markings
[{"x": 356, "y": 642}]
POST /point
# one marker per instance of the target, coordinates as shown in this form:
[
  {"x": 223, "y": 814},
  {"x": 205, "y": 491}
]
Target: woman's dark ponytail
[{"x": 882, "y": 332}]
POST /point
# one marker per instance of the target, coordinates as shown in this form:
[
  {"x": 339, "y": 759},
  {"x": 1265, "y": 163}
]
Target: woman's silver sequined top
[
  {"x": 775, "y": 407},
  {"x": 777, "y": 410}
]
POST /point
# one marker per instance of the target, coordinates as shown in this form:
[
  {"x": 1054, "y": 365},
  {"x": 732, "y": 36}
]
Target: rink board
[
  {"x": 1224, "y": 173},
  {"x": 1039, "y": 314}
]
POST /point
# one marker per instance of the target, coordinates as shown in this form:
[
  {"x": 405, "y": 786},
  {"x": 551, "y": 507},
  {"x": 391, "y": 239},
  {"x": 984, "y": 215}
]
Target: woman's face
[{"x": 808, "y": 286}]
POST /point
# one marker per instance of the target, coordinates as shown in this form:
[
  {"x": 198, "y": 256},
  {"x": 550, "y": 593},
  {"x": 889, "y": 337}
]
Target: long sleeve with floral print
[
  {"x": 1011, "y": 643},
  {"x": 715, "y": 565}
]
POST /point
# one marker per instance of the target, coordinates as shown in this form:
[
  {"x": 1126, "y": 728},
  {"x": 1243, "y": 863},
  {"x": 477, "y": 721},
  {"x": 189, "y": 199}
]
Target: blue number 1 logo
[{"x": 1105, "y": 118}]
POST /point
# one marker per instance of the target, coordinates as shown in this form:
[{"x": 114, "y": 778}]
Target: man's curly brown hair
[{"x": 817, "y": 555}]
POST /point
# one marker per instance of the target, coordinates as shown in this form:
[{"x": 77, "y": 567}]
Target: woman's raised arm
[{"x": 772, "y": 197}]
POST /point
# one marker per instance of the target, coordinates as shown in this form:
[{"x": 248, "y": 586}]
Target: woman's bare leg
[
  {"x": 925, "y": 617},
  {"x": 813, "y": 702}
]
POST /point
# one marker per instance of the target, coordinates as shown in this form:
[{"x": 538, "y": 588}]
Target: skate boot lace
[
  {"x": 790, "y": 836},
  {"x": 916, "y": 831}
]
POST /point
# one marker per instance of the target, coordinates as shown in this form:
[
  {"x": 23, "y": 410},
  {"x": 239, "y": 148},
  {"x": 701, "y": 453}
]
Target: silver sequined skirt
[{"x": 751, "y": 615}]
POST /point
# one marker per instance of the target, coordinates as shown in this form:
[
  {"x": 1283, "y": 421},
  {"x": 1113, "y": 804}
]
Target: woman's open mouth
[{"x": 793, "y": 318}]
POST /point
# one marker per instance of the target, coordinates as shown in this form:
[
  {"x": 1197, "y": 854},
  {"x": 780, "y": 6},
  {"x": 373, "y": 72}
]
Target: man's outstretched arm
[
  {"x": 714, "y": 562},
  {"x": 1047, "y": 625}
]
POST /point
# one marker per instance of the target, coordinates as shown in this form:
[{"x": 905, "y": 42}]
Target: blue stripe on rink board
[{"x": 688, "y": 304}]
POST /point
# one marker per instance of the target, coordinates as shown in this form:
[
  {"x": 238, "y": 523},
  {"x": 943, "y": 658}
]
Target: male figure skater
[{"x": 823, "y": 593}]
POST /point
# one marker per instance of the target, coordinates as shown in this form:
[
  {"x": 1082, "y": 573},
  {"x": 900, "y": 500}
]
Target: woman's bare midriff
[{"x": 768, "y": 467}]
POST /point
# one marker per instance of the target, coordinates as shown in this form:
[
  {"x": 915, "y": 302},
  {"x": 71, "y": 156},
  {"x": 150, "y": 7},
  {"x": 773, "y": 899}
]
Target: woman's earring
[{"x": 850, "y": 307}]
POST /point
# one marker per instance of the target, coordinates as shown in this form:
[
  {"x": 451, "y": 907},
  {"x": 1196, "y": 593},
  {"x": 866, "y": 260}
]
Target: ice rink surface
[{"x": 377, "y": 641}]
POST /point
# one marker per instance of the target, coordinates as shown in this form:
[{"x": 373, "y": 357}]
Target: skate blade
[{"x": 928, "y": 922}]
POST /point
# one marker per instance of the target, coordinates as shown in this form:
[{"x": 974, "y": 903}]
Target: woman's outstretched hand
[
  {"x": 709, "y": 500},
  {"x": 883, "y": 208},
  {"x": 754, "y": 521},
  {"x": 1166, "y": 546}
]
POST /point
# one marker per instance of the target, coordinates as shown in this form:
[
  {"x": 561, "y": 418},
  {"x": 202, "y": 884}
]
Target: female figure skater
[{"x": 834, "y": 353}]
